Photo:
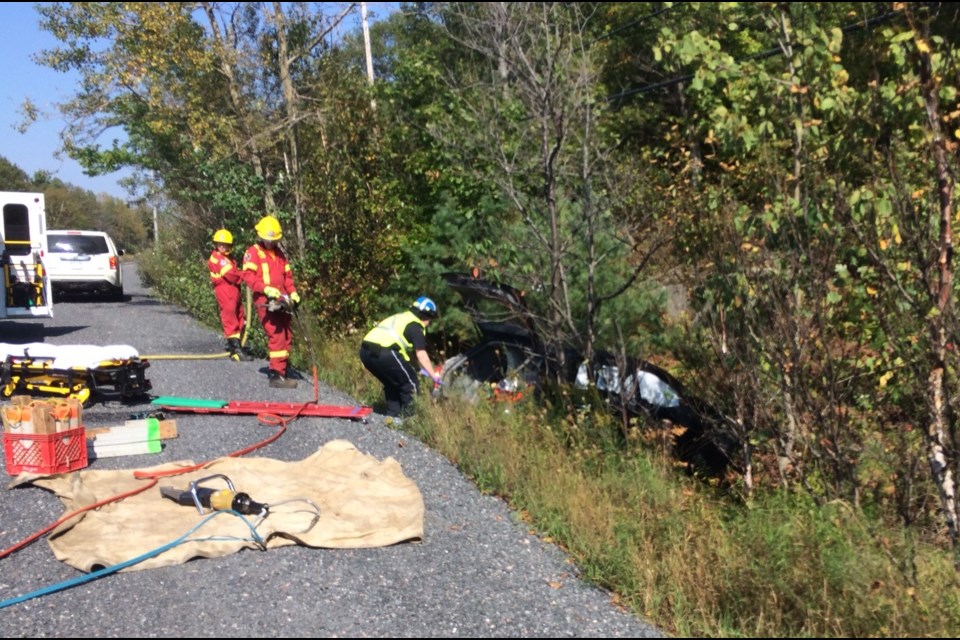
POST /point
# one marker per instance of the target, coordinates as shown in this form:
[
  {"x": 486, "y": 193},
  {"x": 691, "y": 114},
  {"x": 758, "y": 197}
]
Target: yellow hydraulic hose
[
  {"x": 248, "y": 317},
  {"x": 187, "y": 356},
  {"x": 211, "y": 356}
]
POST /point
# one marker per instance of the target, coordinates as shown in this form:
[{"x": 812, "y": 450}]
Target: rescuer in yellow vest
[{"x": 394, "y": 349}]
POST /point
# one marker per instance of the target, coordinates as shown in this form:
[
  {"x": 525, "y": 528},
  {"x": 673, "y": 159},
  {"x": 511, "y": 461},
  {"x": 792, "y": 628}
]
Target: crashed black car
[{"x": 510, "y": 359}]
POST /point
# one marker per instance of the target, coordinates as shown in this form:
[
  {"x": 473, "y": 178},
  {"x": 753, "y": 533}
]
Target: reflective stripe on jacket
[
  {"x": 389, "y": 333},
  {"x": 223, "y": 268},
  {"x": 264, "y": 268}
]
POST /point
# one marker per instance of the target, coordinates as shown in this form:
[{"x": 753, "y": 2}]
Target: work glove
[
  {"x": 435, "y": 377},
  {"x": 271, "y": 292},
  {"x": 295, "y": 297}
]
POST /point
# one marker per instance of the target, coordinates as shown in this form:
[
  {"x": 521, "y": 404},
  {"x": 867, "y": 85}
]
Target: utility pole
[
  {"x": 156, "y": 228},
  {"x": 154, "y": 196},
  {"x": 366, "y": 45},
  {"x": 140, "y": 203}
]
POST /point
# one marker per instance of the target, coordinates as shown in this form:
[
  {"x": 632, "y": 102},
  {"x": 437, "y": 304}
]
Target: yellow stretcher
[
  {"x": 23, "y": 281},
  {"x": 74, "y": 371}
]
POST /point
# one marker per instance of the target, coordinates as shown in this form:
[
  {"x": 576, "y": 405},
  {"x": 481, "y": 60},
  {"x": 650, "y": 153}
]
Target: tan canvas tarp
[{"x": 363, "y": 502}]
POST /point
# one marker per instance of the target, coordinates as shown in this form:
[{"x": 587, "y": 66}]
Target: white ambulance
[{"x": 26, "y": 289}]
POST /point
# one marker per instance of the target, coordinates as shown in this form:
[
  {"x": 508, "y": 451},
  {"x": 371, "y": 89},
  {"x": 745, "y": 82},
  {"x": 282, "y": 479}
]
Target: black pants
[{"x": 399, "y": 378}]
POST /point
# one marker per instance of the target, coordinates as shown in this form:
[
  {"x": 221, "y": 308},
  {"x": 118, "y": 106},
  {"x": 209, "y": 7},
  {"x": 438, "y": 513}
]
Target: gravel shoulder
[{"x": 478, "y": 572}]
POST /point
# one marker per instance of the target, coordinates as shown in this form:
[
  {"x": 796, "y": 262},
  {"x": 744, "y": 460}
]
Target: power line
[
  {"x": 864, "y": 24},
  {"x": 636, "y": 22}
]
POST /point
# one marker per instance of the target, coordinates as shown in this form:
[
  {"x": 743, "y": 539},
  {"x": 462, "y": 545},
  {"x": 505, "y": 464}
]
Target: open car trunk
[
  {"x": 498, "y": 310},
  {"x": 509, "y": 355}
]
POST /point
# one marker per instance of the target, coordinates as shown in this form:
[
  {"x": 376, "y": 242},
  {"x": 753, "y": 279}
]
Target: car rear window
[{"x": 86, "y": 245}]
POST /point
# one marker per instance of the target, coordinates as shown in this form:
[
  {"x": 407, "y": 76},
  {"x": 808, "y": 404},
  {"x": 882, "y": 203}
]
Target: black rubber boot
[
  {"x": 236, "y": 351},
  {"x": 278, "y": 381}
]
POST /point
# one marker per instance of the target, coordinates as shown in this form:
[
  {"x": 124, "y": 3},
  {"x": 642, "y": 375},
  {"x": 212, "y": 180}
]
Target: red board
[{"x": 283, "y": 409}]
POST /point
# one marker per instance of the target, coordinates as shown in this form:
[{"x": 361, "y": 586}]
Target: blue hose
[{"x": 73, "y": 582}]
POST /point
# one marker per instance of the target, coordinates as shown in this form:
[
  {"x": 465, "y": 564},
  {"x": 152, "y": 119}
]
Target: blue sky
[{"x": 21, "y": 78}]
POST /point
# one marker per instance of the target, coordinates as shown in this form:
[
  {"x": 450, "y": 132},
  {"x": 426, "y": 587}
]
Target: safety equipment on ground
[
  {"x": 271, "y": 292},
  {"x": 425, "y": 307},
  {"x": 74, "y": 371},
  {"x": 223, "y": 237},
  {"x": 269, "y": 228},
  {"x": 215, "y": 499},
  {"x": 295, "y": 297}
]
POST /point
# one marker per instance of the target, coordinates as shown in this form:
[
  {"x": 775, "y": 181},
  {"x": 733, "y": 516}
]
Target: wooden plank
[
  {"x": 99, "y": 450},
  {"x": 167, "y": 429},
  {"x": 126, "y": 434},
  {"x": 123, "y": 435}
]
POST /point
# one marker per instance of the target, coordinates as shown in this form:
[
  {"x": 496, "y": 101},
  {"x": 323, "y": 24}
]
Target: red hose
[{"x": 268, "y": 419}]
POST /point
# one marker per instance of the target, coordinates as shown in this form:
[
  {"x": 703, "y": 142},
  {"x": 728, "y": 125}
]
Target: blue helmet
[{"x": 424, "y": 307}]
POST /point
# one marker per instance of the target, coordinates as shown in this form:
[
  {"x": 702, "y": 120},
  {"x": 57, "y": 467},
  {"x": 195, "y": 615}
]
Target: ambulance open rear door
[{"x": 23, "y": 230}]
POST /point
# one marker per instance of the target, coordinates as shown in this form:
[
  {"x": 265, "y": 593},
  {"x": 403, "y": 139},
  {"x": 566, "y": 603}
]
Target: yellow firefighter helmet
[
  {"x": 223, "y": 237},
  {"x": 269, "y": 228}
]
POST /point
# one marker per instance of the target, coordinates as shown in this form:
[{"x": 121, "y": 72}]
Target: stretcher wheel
[{"x": 83, "y": 397}]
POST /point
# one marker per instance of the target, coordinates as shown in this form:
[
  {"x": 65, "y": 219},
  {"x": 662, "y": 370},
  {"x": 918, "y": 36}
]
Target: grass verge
[
  {"x": 681, "y": 553},
  {"x": 677, "y": 551}
]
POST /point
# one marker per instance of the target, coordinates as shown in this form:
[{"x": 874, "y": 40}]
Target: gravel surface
[{"x": 477, "y": 573}]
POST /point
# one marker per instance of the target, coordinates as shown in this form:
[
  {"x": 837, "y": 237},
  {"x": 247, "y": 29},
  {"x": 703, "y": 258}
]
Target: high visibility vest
[{"x": 389, "y": 333}]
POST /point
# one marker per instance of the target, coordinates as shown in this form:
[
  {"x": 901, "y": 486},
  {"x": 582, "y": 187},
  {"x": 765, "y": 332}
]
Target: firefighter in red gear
[
  {"x": 226, "y": 279},
  {"x": 268, "y": 274}
]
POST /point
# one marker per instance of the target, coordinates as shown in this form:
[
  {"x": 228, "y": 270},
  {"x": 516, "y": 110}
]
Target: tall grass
[{"x": 677, "y": 551}]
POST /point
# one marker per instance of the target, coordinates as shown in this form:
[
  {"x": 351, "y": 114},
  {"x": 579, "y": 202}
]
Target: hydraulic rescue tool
[
  {"x": 215, "y": 499},
  {"x": 282, "y": 304}
]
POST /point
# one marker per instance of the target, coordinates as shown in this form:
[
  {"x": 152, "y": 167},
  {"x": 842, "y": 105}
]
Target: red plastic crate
[{"x": 47, "y": 454}]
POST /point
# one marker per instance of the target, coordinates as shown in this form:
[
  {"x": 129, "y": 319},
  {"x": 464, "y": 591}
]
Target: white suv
[{"x": 84, "y": 261}]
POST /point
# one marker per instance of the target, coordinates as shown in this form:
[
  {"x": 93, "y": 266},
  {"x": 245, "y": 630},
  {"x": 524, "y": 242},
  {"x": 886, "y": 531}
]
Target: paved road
[{"x": 477, "y": 572}]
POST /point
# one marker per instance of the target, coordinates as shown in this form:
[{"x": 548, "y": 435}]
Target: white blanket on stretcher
[{"x": 69, "y": 356}]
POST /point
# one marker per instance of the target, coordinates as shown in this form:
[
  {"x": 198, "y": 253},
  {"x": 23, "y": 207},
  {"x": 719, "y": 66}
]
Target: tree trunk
[
  {"x": 788, "y": 438},
  {"x": 250, "y": 140},
  {"x": 939, "y": 450},
  {"x": 291, "y": 106}
]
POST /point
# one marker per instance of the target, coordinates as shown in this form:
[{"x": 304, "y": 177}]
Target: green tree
[
  {"x": 529, "y": 118},
  {"x": 256, "y": 114},
  {"x": 71, "y": 207},
  {"x": 12, "y": 177},
  {"x": 826, "y": 283}
]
